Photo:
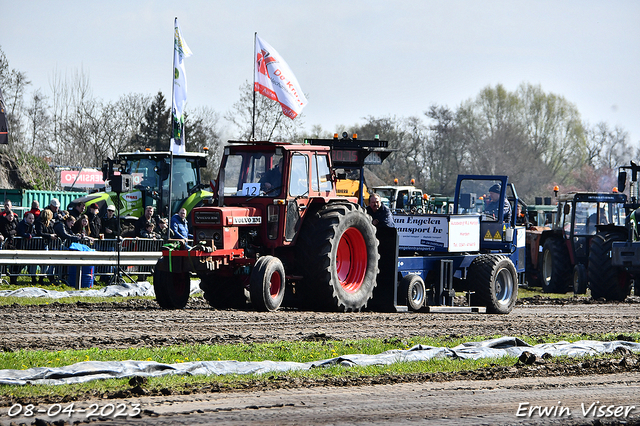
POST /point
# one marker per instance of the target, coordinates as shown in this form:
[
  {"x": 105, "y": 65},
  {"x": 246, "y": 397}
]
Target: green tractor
[{"x": 152, "y": 176}]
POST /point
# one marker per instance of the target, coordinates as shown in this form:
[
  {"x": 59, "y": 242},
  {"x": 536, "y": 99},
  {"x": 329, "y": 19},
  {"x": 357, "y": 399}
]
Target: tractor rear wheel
[
  {"x": 223, "y": 292},
  {"x": 605, "y": 280},
  {"x": 267, "y": 284},
  {"x": 339, "y": 256},
  {"x": 172, "y": 288},
  {"x": 495, "y": 282},
  {"x": 556, "y": 267}
]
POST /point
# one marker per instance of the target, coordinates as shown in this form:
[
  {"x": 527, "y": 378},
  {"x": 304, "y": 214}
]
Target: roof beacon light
[
  {"x": 413, "y": 181},
  {"x": 556, "y": 189},
  {"x": 615, "y": 189},
  {"x": 395, "y": 181}
]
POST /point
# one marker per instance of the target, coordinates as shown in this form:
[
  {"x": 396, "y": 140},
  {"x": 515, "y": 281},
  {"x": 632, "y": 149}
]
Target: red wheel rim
[
  {"x": 351, "y": 260},
  {"x": 274, "y": 284}
]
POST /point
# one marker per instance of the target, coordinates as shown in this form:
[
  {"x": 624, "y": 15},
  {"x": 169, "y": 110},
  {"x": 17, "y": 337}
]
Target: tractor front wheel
[
  {"x": 266, "y": 285},
  {"x": 580, "y": 279},
  {"x": 172, "y": 288},
  {"x": 556, "y": 267},
  {"x": 223, "y": 292},
  {"x": 605, "y": 280}
]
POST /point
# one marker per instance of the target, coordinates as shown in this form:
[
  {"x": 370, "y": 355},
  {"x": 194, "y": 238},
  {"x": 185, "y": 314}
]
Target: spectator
[
  {"x": 148, "y": 232},
  {"x": 26, "y": 230},
  {"x": 179, "y": 225},
  {"x": 109, "y": 223},
  {"x": 63, "y": 229},
  {"x": 380, "y": 214},
  {"x": 35, "y": 209},
  {"x": 8, "y": 209},
  {"x": 8, "y": 230},
  {"x": 54, "y": 208},
  {"x": 8, "y": 224},
  {"x": 82, "y": 227},
  {"x": 142, "y": 222},
  {"x": 95, "y": 224},
  {"x": 44, "y": 229},
  {"x": 164, "y": 230},
  {"x": 77, "y": 210}
]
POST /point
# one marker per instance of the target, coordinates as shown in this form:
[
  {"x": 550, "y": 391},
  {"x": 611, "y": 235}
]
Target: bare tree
[{"x": 202, "y": 131}]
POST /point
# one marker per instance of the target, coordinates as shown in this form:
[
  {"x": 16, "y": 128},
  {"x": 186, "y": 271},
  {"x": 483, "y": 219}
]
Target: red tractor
[{"x": 276, "y": 231}]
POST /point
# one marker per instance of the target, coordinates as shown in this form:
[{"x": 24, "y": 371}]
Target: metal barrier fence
[{"x": 55, "y": 271}]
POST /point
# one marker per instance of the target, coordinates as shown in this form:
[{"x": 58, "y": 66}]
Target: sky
[{"x": 352, "y": 58}]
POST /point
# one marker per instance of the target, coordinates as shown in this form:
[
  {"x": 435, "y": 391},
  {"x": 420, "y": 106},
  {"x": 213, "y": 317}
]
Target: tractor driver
[
  {"x": 380, "y": 214},
  {"x": 272, "y": 178},
  {"x": 492, "y": 208}
]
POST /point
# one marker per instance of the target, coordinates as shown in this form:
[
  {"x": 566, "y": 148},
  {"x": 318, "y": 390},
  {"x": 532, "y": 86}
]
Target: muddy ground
[{"x": 138, "y": 323}]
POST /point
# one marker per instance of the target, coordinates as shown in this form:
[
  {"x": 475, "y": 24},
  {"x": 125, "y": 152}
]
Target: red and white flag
[{"x": 273, "y": 78}]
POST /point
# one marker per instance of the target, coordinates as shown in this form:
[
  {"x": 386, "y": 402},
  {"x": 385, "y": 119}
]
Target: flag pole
[
  {"x": 253, "y": 89},
  {"x": 173, "y": 121}
]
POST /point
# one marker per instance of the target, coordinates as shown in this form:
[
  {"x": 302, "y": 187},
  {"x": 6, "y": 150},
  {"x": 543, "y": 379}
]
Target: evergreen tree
[{"x": 155, "y": 129}]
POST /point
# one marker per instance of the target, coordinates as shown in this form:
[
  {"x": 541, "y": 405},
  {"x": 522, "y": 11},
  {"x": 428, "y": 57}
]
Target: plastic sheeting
[
  {"x": 122, "y": 290},
  {"x": 494, "y": 348}
]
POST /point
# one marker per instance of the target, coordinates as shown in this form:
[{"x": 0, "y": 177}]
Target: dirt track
[{"x": 141, "y": 323}]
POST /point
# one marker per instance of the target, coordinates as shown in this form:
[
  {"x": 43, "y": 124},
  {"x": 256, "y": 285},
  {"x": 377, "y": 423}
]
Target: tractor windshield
[
  {"x": 252, "y": 173},
  {"x": 151, "y": 174},
  {"x": 483, "y": 196},
  {"x": 590, "y": 214}
]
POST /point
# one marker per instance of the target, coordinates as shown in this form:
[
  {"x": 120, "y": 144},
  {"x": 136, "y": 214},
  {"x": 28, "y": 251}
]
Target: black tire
[
  {"x": 605, "y": 280},
  {"x": 412, "y": 289},
  {"x": 555, "y": 267},
  {"x": 267, "y": 284},
  {"x": 172, "y": 288},
  {"x": 339, "y": 258},
  {"x": 580, "y": 279},
  {"x": 223, "y": 292},
  {"x": 495, "y": 283}
]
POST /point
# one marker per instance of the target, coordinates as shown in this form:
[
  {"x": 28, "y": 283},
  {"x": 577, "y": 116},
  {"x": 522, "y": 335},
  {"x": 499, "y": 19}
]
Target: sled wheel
[
  {"x": 172, "y": 288},
  {"x": 339, "y": 256},
  {"x": 556, "y": 267},
  {"x": 496, "y": 284},
  {"x": 605, "y": 280},
  {"x": 579, "y": 279},
  {"x": 267, "y": 284},
  {"x": 412, "y": 287}
]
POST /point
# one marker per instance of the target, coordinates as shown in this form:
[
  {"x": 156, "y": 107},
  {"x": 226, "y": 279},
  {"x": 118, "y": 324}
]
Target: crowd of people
[{"x": 79, "y": 224}]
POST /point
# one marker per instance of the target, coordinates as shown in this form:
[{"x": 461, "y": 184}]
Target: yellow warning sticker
[
  {"x": 497, "y": 236},
  {"x": 487, "y": 236}
]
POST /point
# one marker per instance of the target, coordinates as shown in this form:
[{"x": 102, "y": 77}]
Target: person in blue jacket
[
  {"x": 380, "y": 214},
  {"x": 179, "y": 225}
]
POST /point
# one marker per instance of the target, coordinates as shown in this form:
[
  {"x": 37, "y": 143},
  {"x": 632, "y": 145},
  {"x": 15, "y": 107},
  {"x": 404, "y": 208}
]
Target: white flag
[
  {"x": 274, "y": 79},
  {"x": 180, "y": 51}
]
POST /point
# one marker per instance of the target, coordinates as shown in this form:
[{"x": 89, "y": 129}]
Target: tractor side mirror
[
  {"x": 567, "y": 209},
  {"x": 622, "y": 180}
]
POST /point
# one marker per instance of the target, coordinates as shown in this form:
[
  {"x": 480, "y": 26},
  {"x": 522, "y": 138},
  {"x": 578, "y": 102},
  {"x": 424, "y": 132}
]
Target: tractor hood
[{"x": 227, "y": 216}]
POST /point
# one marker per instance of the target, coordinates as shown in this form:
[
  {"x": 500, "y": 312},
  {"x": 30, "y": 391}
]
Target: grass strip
[{"x": 281, "y": 351}]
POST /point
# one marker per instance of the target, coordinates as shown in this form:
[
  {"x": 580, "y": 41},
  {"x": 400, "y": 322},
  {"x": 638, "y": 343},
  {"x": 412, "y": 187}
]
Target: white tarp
[
  {"x": 494, "y": 348},
  {"x": 122, "y": 290}
]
